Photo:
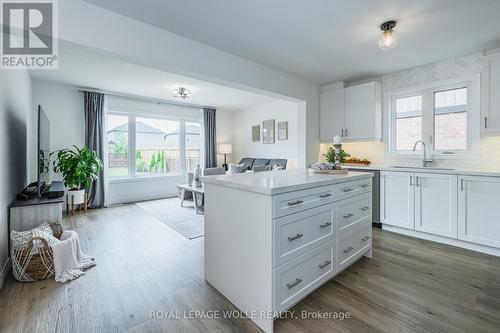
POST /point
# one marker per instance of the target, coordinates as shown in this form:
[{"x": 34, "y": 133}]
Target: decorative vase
[
  {"x": 189, "y": 178},
  {"x": 197, "y": 176}
]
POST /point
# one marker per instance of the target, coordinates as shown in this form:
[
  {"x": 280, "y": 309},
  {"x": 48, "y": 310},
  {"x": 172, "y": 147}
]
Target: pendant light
[{"x": 389, "y": 38}]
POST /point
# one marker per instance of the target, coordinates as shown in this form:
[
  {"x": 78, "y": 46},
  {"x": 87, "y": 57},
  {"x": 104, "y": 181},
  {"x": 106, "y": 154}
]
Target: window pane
[
  {"x": 157, "y": 146},
  {"x": 192, "y": 145},
  {"x": 408, "y": 121},
  {"x": 117, "y": 130},
  {"x": 450, "y": 119},
  {"x": 408, "y": 130}
]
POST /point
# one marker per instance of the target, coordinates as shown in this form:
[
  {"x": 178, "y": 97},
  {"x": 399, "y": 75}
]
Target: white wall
[
  {"x": 244, "y": 119},
  {"x": 130, "y": 40},
  {"x": 63, "y": 105},
  {"x": 15, "y": 115}
]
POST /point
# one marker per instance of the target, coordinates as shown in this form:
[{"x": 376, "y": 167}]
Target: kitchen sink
[{"x": 421, "y": 167}]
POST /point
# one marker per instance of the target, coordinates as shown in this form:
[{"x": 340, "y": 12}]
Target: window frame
[
  {"x": 132, "y": 149},
  {"x": 471, "y": 82}
]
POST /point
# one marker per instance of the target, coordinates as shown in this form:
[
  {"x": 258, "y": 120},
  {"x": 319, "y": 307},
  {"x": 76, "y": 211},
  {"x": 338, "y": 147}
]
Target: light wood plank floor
[{"x": 409, "y": 286}]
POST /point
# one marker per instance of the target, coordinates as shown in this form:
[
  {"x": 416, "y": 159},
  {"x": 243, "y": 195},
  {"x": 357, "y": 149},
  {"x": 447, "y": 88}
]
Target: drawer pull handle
[
  {"x": 325, "y": 225},
  {"x": 297, "y": 236},
  {"x": 293, "y": 203},
  {"x": 364, "y": 185},
  {"x": 365, "y": 208},
  {"x": 346, "y": 216},
  {"x": 326, "y": 195},
  {"x": 321, "y": 266},
  {"x": 347, "y": 190},
  {"x": 364, "y": 239},
  {"x": 349, "y": 249},
  {"x": 293, "y": 284}
]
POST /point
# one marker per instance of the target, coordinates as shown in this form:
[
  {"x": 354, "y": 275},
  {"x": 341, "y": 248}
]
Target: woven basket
[{"x": 28, "y": 266}]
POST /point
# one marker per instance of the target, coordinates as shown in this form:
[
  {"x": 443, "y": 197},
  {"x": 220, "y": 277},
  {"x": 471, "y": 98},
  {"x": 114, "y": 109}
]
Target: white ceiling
[
  {"x": 82, "y": 68},
  {"x": 326, "y": 41}
]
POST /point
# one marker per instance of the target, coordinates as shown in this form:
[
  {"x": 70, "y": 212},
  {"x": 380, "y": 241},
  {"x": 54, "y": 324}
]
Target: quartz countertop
[
  {"x": 274, "y": 182},
  {"x": 444, "y": 170}
]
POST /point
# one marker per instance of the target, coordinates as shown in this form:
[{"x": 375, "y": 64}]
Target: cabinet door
[
  {"x": 491, "y": 121},
  {"x": 397, "y": 199},
  {"x": 436, "y": 204},
  {"x": 363, "y": 117},
  {"x": 479, "y": 212},
  {"x": 331, "y": 106}
]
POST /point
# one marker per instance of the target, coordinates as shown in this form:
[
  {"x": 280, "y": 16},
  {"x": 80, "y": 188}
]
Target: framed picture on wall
[
  {"x": 256, "y": 133},
  {"x": 283, "y": 130},
  {"x": 268, "y": 131}
]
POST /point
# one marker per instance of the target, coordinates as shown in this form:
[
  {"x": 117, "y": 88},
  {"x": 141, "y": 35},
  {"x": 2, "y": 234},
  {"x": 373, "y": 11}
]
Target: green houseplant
[
  {"x": 330, "y": 155},
  {"x": 80, "y": 167}
]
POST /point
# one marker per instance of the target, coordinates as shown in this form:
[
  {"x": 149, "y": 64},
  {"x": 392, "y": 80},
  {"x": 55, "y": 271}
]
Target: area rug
[{"x": 184, "y": 220}]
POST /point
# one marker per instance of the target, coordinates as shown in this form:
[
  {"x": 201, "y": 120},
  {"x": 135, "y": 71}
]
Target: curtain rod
[{"x": 144, "y": 99}]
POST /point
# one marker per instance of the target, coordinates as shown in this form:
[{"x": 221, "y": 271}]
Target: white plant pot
[
  {"x": 78, "y": 195},
  {"x": 197, "y": 183}
]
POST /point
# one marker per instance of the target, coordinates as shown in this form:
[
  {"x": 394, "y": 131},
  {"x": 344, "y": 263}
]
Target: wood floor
[{"x": 409, "y": 286}]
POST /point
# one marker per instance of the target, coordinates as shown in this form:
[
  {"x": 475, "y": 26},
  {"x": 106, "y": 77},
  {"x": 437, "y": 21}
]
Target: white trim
[
  {"x": 473, "y": 84},
  {"x": 443, "y": 240},
  {"x": 150, "y": 177}
]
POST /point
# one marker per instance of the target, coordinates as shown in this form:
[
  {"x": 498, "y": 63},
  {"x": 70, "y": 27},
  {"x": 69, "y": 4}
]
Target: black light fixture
[{"x": 389, "y": 38}]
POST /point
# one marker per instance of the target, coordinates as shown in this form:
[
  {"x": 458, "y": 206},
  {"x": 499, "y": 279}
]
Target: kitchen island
[{"x": 271, "y": 238}]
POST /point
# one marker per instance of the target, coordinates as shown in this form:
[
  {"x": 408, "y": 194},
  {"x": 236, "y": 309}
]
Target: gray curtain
[
  {"x": 210, "y": 138},
  {"x": 94, "y": 140}
]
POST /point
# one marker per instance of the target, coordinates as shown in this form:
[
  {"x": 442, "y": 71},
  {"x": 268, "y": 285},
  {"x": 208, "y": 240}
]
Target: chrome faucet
[{"x": 425, "y": 161}]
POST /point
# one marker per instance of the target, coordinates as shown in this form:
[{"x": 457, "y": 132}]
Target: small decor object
[
  {"x": 189, "y": 178},
  {"x": 268, "y": 131},
  {"x": 328, "y": 168},
  {"x": 182, "y": 93},
  {"x": 197, "y": 176},
  {"x": 256, "y": 133},
  {"x": 80, "y": 168},
  {"x": 224, "y": 148},
  {"x": 283, "y": 130},
  {"x": 356, "y": 160}
]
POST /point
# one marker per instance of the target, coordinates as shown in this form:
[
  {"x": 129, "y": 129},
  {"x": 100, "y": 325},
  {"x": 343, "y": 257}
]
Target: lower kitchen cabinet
[
  {"x": 478, "y": 210},
  {"x": 436, "y": 204},
  {"x": 397, "y": 199}
]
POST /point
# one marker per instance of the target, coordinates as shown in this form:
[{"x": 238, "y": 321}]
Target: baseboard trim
[
  {"x": 443, "y": 240},
  {"x": 5, "y": 271}
]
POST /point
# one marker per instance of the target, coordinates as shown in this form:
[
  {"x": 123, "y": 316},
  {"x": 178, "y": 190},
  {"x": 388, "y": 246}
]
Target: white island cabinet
[{"x": 271, "y": 238}]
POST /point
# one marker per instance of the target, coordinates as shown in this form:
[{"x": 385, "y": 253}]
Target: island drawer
[
  {"x": 352, "y": 188},
  {"x": 298, "y": 233},
  {"x": 298, "y": 277},
  {"x": 351, "y": 245},
  {"x": 297, "y": 201},
  {"x": 352, "y": 212}
]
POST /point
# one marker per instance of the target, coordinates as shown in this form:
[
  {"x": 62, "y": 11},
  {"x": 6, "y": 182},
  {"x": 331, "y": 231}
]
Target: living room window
[
  {"x": 140, "y": 146},
  {"x": 445, "y": 115}
]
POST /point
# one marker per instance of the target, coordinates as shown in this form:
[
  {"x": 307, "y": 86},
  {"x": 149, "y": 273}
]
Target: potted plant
[
  {"x": 80, "y": 168},
  {"x": 330, "y": 155}
]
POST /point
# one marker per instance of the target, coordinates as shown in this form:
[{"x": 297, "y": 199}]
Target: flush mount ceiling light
[
  {"x": 389, "y": 38},
  {"x": 182, "y": 93}
]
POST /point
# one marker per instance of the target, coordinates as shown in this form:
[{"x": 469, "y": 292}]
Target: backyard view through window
[
  {"x": 162, "y": 146},
  {"x": 450, "y": 119},
  {"x": 117, "y": 145},
  {"x": 408, "y": 121}
]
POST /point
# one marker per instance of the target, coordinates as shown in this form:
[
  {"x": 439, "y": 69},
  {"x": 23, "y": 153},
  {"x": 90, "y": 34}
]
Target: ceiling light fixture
[
  {"x": 389, "y": 38},
  {"x": 182, "y": 93}
]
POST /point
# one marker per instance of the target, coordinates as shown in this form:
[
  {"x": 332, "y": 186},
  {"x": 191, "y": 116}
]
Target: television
[{"x": 43, "y": 152}]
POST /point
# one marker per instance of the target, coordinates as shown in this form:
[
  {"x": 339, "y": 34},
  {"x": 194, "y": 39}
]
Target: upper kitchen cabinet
[
  {"x": 491, "y": 101},
  {"x": 354, "y": 113},
  {"x": 363, "y": 112},
  {"x": 331, "y": 105}
]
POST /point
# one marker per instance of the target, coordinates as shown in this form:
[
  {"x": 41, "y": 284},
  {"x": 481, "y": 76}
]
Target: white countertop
[
  {"x": 465, "y": 172},
  {"x": 274, "y": 182}
]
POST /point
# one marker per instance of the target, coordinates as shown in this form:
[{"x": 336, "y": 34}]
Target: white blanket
[{"x": 69, "y": 261}]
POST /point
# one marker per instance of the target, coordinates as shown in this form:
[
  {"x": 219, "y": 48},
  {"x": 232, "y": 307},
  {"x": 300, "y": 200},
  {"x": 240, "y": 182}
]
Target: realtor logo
[{"x": 30, "y": 34}]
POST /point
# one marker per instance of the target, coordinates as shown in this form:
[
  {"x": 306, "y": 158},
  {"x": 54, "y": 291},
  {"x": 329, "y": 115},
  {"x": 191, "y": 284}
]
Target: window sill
[{"x": 143, "y": 178}]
